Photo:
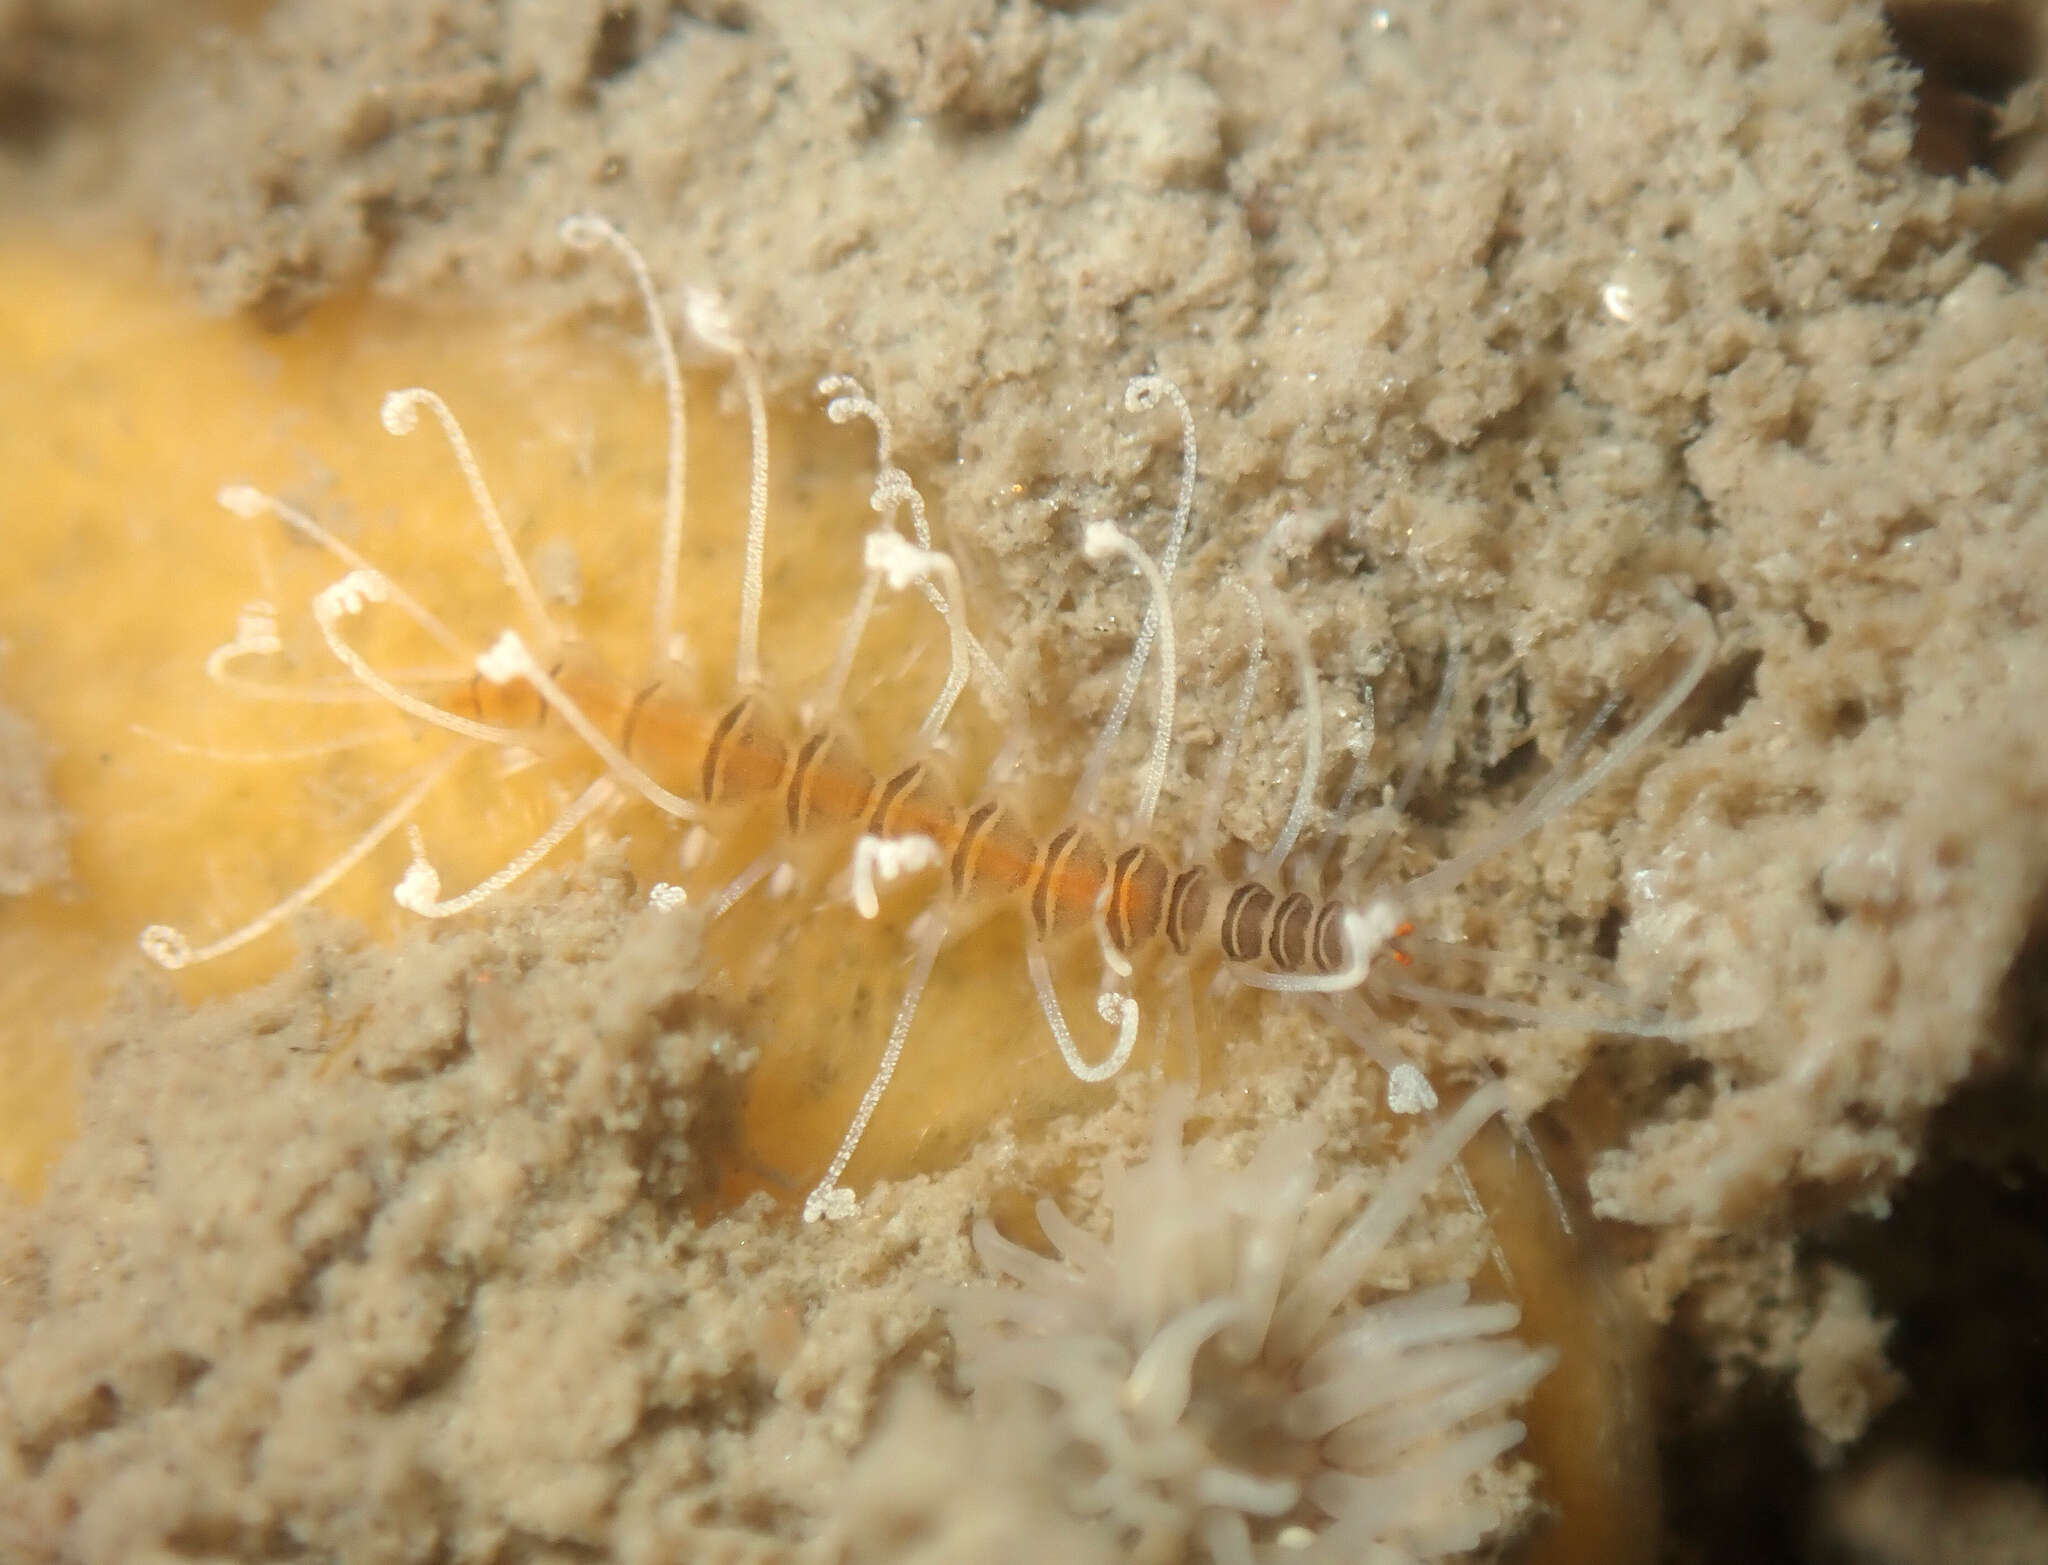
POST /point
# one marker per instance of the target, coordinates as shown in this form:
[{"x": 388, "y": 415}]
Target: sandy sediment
[{"x": 396, "y": 1257}]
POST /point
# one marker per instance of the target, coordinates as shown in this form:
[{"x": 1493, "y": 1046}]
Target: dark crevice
[
  {"x": 1723, "y": 691},
  {"x": 1628, "y": 1083},
  {"x": 222, "y": 1537},
  {"x": 1971, "y": 58},
  {"x": 729, "y": 16},
  {"x": 521, "y": 1547},
  {"x": 1737, "y": 1480},
  {"x": 1607, "y": 937},
  {"x": 616, "y": 48},
  {"x": 2021, "y": 1018},
  {"x": 1513, "y": 766},
  {"x": 1961, "y": 1262},
  {"x": 1962, "y": 1266},
  {"x": 1830, "y": 909},
  {"x": 446, "y": 1359}
]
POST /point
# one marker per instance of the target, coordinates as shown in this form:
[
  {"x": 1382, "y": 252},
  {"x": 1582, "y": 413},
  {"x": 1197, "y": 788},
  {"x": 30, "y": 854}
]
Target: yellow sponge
[{"x": 123, "y": 414}]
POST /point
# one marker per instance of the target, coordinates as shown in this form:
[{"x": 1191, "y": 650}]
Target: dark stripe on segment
[
  {"x": 632, "y": 720},
  {"x": 996, "y": 856},
  {"x": 1137, "y": 894},
  {"x": 1041, "y": 886},
  {"x": 714, "y": 773},
  {"x": 893, "y": 791},
  {"x": 827, "y": 784},
  {"x": 795, "y": 802},
  {"x": 1187, "y": 905},
  {"x": 916, "y": 802},
  {"x": 476, "y": 700},
  {"x": 1072, "y": 852},
  {"x": 803, "y": 781},
  {"x": 843, "y": 789},
  {"x": 1088, "y": 863},
  {"x": 743, "y": 757},
  {"x": 1288, "y": 942},
  {"x": 1244, "y": 922},
  {"x": 1328, "y": 939},
  {"x": 970, "y": 846}
]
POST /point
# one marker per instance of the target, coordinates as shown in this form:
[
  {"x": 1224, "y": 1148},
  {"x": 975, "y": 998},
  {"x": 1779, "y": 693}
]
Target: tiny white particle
[{"x": 1409, "y": 1091}]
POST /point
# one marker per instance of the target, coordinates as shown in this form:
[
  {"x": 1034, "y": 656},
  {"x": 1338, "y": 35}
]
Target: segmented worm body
[{"x": 746, "y": 757}]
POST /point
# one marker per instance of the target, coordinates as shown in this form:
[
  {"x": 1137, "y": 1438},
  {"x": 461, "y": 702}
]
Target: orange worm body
[
  {"x": 697, "y": 760},
  {"x": 744, "y": 756}
]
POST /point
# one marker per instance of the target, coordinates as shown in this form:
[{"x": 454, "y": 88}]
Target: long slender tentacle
[{"x": 829, "y": 1198}]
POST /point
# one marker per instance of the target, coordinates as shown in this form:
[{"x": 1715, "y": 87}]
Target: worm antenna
[
  {"x": 1408, "y": 1089},
  {"x": 586, "y": 231},
  {"x": 267, "y": 757},
  {"x": 829, "y": 1198},
  {"x": 1359, "y": 748},
  {"x": 1226, "y": 757},
  {"x": 419, "y": 890},
  {"x": 169, "y": 948},
  {"x": 711, "y": 324},
  {"x": 400, "y": 415},
  {"x": 256, "y": 637},
  {"x": 1311, "y": 700},
  {"x": 1141, "y": 395},
  {"x": 846, "y": 401},
  {"x": 829, "y": 695},
  {"x": 1101, "y": 540},
  {"x": 1098, "y": 921},
  {"x": 1528, "y": 1014},
  {"x": 763, "y": 867},
  {"x": 901, "y": 564},
  {"x": 347, "y": 598},
  {"x": 509, "y": 658},
  {"x": 1119, "y": 1010},
  {"x": 1556, "y": 795},
  {"x": 250, "y": 503},
  {"x": 1408, "y": 986},
  {"x": 1411, "y": 778}
]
